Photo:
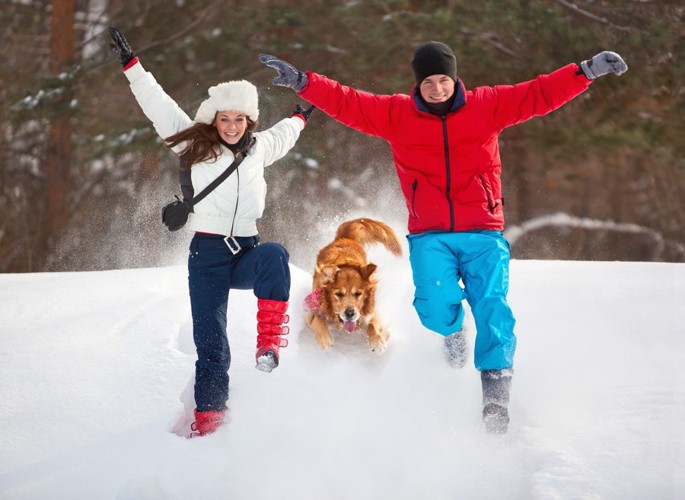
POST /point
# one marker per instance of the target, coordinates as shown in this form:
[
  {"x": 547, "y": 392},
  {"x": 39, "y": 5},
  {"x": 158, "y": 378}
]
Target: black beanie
[{"x": 434, "y": 58}]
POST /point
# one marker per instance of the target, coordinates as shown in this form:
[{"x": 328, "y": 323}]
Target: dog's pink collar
[{"x": 312, "y": 302}]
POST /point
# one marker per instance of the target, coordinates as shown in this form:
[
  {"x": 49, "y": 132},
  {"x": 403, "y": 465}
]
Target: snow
[{"x": 96, "y": 371}]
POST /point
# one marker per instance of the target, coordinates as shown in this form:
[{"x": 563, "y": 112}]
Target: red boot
[
  {"x": 207, "y": 422},
  {"x": 270, "y": 318}
]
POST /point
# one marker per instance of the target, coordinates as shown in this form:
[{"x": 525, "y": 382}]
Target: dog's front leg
[
  {"x": 377, "y": 336},
  {"x": 320, "y": 328}
]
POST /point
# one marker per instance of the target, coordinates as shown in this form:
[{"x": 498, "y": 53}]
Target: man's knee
[
  {"x": 441, "y": 315},
  {"x": 494, "y": 311}
]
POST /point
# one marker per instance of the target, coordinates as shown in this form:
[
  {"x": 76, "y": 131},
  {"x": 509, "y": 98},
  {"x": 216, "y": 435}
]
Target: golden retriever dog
[{"x": 344, "y": 286}]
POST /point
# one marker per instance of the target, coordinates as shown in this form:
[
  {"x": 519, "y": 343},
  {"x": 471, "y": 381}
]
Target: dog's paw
[
  {"x": 378, "y": 344},
  {"x": 326, "y": 343}
]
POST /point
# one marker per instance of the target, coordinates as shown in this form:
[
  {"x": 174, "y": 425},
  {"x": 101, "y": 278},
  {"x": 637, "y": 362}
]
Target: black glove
[
  {"x": 299, "y": 110},
  {"x": 603, "y": 63},
  {"x": 288, "y": 76},
  {"x": 121, "y": 46}
]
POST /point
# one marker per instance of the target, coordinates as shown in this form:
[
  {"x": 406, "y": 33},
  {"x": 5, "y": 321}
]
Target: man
[{"x": 444, "y": 140}]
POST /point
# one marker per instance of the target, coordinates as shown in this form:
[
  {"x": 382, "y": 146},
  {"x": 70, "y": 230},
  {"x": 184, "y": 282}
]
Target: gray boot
[
  {"x": 496, "y": 387},
  {"x": 455, "y": 349}
]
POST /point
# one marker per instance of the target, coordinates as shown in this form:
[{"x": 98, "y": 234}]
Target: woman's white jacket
[{"x": 233, "y": 208}]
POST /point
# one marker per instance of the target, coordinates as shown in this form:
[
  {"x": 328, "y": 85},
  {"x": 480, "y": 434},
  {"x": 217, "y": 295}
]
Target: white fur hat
[{"x": 239, "y": 95}]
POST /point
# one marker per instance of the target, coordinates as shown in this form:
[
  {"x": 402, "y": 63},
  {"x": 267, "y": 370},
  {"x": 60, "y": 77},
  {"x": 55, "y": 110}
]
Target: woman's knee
[
  {"x": 274, "y": 251},
  {"x": 272, "y": 279}
]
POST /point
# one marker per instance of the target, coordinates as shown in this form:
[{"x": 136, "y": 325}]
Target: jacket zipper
[{"x": 448, "y": 173}]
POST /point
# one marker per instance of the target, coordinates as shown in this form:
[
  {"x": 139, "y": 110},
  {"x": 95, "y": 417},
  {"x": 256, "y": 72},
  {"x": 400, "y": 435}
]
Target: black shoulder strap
[
  {"x": 186, "y": 182},
  {"x": 238, "y": 160},
  {"x": 184, "y": 179}
]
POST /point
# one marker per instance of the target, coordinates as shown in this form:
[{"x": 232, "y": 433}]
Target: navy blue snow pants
[{"x": 213, "y": 269}]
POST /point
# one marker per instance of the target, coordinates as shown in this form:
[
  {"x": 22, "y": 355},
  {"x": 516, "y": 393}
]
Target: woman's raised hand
[{"x": 121, "y": 46}]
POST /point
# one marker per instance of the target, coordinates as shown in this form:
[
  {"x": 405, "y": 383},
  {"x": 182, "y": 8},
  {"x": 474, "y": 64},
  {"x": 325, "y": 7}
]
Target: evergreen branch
[
  {"x": 189, "y": 27},
  {"x": 490, "y": 39},
  {"x": 573, "y": 7}
]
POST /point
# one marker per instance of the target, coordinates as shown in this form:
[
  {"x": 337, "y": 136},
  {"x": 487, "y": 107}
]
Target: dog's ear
[
  {"x": 328, "y": 274},
  {"x": 367, "y": 270}
]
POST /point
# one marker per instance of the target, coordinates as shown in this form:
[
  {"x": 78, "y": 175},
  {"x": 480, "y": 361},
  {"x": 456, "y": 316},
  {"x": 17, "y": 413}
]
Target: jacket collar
[
  {"x": 459, "y": 98},
  {"x": 246, "y": 142}
]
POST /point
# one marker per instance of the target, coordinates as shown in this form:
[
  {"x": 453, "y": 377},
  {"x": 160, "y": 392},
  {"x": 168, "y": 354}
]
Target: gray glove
[
  {"x": 603, "y": 63},
  {"x": 288, "y": 76}
]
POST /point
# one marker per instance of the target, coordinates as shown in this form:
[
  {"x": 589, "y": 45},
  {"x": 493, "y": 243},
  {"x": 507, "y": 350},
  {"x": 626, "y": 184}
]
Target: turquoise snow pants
[{"x": 480, "y": 259}]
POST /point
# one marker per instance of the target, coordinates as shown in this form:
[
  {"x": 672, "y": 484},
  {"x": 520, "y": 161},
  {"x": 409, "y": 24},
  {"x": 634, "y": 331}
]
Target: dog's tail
[{"x": 368, "y": 231}]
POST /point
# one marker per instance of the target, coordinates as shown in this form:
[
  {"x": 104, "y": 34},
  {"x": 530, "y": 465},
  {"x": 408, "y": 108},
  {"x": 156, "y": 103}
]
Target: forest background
[{"x": 83, "y": 175}]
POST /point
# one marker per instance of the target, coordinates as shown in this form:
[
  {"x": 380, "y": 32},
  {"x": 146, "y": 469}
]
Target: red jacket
[{"x": 449, "y": 167}]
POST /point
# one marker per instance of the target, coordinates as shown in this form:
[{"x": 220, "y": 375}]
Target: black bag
[{"x": 175, "y": 214}]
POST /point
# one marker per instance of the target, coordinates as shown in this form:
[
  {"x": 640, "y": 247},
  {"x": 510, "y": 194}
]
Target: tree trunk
[{"x": 59, "y": 148}]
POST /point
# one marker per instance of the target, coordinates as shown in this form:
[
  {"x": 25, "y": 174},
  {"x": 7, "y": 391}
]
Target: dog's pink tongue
[{"x": 349, "y": 326}]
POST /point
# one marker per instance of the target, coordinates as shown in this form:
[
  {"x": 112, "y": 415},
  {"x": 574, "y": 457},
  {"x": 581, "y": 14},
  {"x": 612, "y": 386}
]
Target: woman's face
[
  {"x": 231, "y": 125},
  {"x": 436, "y": 88}
]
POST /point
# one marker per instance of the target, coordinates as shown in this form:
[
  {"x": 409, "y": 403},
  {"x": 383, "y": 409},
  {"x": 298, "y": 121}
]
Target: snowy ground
[{"x": 94, "y": 371}]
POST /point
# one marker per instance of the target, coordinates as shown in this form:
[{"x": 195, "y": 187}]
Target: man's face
[{"x": 436, "y": 88}]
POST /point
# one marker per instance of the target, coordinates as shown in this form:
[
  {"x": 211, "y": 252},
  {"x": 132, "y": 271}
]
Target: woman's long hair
[{"x": 204, "y": 142}]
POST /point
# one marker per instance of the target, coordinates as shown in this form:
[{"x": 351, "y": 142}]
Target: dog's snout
[{"x": 350, "y": 313}]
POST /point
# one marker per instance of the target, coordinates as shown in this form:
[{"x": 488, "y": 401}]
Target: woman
[{"x": 225, "y": 252}]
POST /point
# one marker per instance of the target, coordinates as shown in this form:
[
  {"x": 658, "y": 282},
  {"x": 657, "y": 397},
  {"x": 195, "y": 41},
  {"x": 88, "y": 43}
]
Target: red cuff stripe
[{"x": 132, "y": 62}]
